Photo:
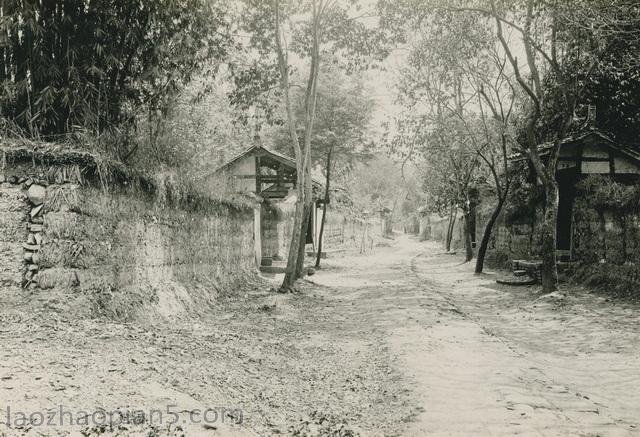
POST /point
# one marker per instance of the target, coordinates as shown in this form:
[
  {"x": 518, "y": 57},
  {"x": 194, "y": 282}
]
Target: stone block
[
  {"x": 36, "y": 211},
  {"x": 57, "y": 277},
  {"x": 36, "y": 227},
  {"x": 36, "y": 194}
]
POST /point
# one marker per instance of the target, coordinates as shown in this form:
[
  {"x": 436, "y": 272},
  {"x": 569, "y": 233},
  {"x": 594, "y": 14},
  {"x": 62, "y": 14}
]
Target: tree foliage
[
  {"x": 92, "y": 65},
  {"x": 344, "y": 109},
  {"x": 600, "y": 42}
]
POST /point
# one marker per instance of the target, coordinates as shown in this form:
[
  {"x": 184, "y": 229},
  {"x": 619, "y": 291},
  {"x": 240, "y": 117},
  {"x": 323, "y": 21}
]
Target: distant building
[
  {"x": 581, "y": 155},
  {"x": 583, "y": 232},
  {"x": 271, "y": 176}
]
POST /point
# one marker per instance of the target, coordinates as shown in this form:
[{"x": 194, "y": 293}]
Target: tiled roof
[{"x": 545, "y": 148}]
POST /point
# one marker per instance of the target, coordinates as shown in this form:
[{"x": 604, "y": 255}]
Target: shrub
[
  {"x": 614, "y": 279},
  {"x": 524, "y": 197},
  {"x": 606, "y": 194},
  {"x": 498, "y": 259}
]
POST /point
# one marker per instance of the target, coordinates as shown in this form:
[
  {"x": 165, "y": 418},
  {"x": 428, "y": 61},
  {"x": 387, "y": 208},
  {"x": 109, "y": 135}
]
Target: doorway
[{"x": 564, "y": 227}]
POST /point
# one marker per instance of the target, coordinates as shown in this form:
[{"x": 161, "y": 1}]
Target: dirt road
[
  {"x": 491, "y": 360},
  {"x": 402, "y": 342}
]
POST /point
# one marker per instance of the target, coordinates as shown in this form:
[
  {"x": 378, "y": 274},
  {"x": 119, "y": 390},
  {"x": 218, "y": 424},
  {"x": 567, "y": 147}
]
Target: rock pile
[{"x": 36, "y": 192}]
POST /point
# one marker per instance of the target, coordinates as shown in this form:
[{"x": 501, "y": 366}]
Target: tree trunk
[
  {"x": 603, "y": 233},
  {"x": 468, "y": 244},
  {"x": 547, "y": 229},
  {"x": 623, "y": 230},
  {"x": 324, "y": 208},
  {"x": 302, "y": 154},
  {"x": 363, "y": 246},
  {"x": 321, "y": 233},
  {"x": 488, "y": 230},
  {"x": 303, "y": 241},
  {"x": 452, "y": 224},
  {"x": 308, "y": 209},
  {"x": 292, "y": 258}
]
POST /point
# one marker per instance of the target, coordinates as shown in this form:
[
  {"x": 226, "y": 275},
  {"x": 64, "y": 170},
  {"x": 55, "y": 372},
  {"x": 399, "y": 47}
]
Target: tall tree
[
  {"x": 291, "y": 35},
  {"x": 549, "y": 49},
  {"x": 497, "y": 129},
  {"x": 439, "y": 91},
  {"x": 339, "y": 139}
]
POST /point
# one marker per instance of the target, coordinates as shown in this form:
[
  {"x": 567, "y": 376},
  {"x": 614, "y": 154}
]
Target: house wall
[
  {"x": 517, "y": 240},
  {"x": 340, "y": 231},
  {"x": 439, "y": 226},
  {"x": 606, "y": 236},
  {"x": 595, "y": 236},
  {"x": 240, "y": 176},
  {"x": 625, "y": 166},
  {"x": 117, "y": 252},
  {"x": 276, "y": 224},
  {"x": 344, "y": 231}
]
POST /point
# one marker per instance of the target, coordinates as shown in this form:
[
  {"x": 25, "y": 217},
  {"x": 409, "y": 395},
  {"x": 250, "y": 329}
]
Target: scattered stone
[
  {"x": 29, "y": 275},
  {"x": 28, "y": 257},
  {"x": 59, "y": 179},
  {"x": 269, "y": 307},
  {"x": 28, "y": 182},
  {"x": 36, "y": 227},
  {"x": 33, "y": 267},
  {"x": 516, "y": 280},
  {"x": 31, "y": 239},
  {"x": 22, "y": 179},
  {"x": 36, "y": 194},
  {"x": 37, "y": 220},
  {"x": 35, "y": 258},
  {"x": 12, "y": 180},
  {"x": 35, "y": 212},
  {"x": 311, "y": 271},
  {"x": 38, "y": 238},
  {"x": 31, "y": 247},
  {"x": 75, "y": 280}
]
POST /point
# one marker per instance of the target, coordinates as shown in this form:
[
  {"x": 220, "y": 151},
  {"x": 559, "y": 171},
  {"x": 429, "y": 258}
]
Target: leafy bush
[
  {"x": 614, "y": 279},
  {"x": 605, "y": 194},
  {"x": 524, "y": 196},
  {"x": 92, "y": 66},
  {"x": 498, "y": 259}
]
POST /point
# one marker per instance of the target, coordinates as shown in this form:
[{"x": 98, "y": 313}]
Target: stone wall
[
  {"x": 596, "y": 236},
  {"x": 438, "y": 227},
  {"x": 13, "y": 234},
  {"x": 342, "y": 230},
  {"x": 518, "y": 240},
  {"x": 600, "y": 236},
  {"x": 276, "y": 224},
  {"x": 117, "y": 251}
]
